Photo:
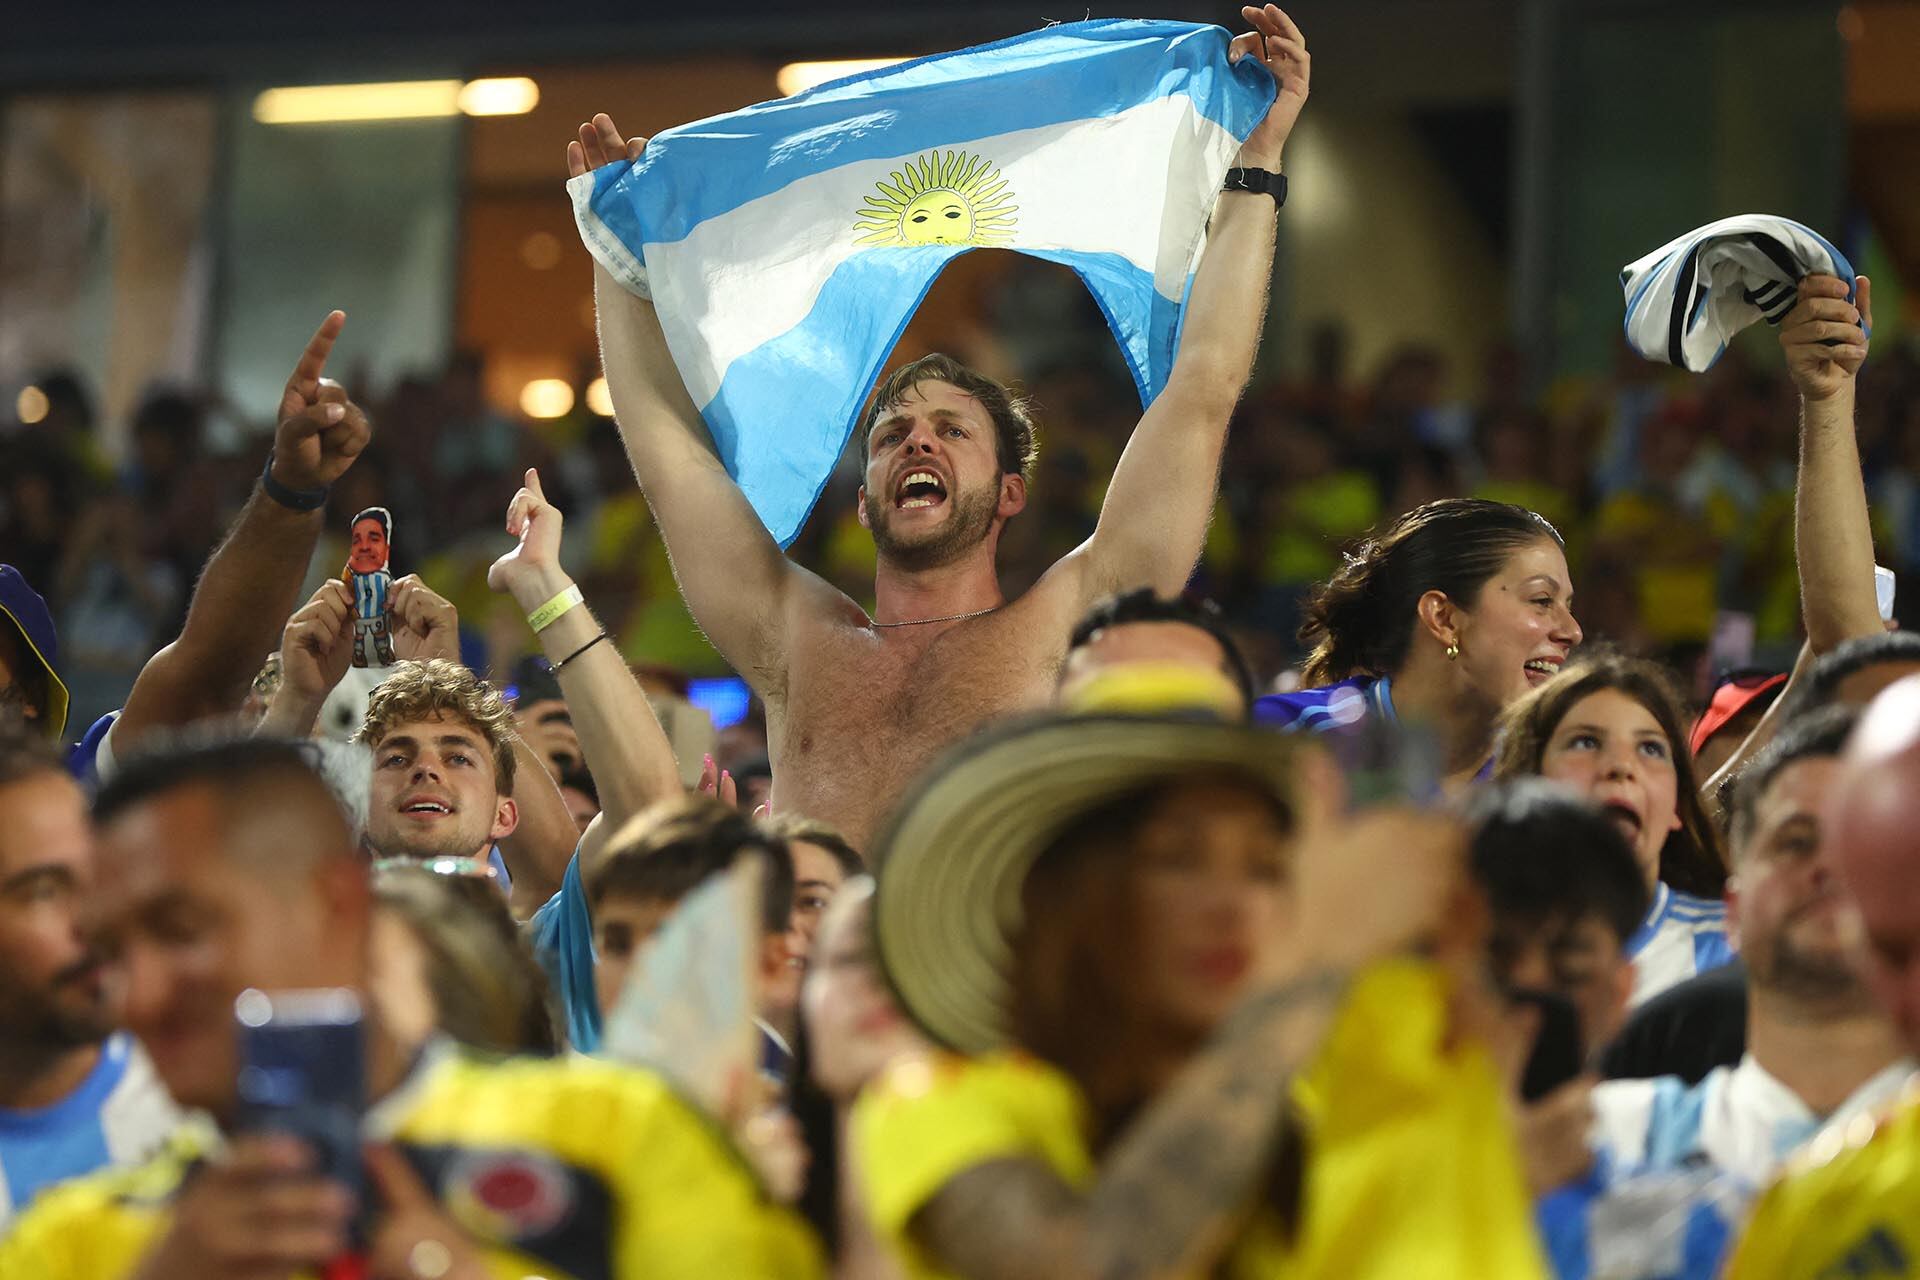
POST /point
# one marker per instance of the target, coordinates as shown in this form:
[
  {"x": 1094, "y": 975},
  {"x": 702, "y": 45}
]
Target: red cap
[{"x": 1729, "y": 700}]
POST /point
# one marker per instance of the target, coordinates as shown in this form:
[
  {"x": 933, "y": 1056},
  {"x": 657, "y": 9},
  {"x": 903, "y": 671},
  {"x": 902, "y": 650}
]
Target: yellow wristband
[{"x": 552, "y": 611}]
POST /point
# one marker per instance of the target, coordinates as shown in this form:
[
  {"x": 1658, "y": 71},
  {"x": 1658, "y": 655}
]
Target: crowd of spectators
[
  {"x": 1674, "y": 494},
  {"x": 1393, "y": 916}
]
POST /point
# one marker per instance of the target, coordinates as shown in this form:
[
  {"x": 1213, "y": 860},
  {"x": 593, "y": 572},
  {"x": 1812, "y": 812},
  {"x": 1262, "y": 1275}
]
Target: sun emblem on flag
[{"x": 939, "y": 198}]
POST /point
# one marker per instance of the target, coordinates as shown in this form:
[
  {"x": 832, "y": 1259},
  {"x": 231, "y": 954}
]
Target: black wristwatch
[
  {"x": 292, "y": 499},
  {"x": 1262, "y": 182}
]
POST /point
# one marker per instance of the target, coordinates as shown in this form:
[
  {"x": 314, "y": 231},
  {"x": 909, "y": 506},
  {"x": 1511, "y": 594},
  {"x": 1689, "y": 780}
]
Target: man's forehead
[
  {"x": 1799, "y": 789},
  {"x": 157, "y": 845},
  {"x": 436, "y": 728},
  {"x": 934, "y": 396},
  {"x": 48, "y": 824}
]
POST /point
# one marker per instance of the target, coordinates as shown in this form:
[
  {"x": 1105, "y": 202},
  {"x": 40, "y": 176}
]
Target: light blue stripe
[
  {"x": 1673, "y": 1126},
  {"x": 1073, "y": 71},
  {"x": 1633, "y": 303},
  {"x": 806, "y": 387}
]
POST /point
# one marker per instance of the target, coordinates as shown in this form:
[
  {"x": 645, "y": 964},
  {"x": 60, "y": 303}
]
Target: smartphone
[
  {"x": 1558, "y": 1056},
  {"x": 303, "y": 1072}
]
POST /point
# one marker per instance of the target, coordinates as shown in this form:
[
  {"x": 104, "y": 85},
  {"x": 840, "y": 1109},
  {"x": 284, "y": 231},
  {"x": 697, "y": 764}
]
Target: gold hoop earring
[{"x": 1453, "y": 651}]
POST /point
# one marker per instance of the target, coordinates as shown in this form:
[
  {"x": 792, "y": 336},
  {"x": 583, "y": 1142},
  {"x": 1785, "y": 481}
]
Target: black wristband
[
  {"x": 292, "y": 499},
  {"x": 577, "y": 652},
  {"x": 1259, "y": 181}
]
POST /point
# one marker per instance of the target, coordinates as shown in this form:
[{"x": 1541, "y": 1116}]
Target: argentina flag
[{"x": 786, "y": 246}]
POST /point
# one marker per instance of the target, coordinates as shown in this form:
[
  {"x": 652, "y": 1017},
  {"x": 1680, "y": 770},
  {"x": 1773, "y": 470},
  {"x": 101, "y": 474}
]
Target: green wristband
[{"x": 552, "y": 611}]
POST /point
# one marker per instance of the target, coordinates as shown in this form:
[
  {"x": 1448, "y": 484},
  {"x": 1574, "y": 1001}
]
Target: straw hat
[{"x": 953, "y": 862}]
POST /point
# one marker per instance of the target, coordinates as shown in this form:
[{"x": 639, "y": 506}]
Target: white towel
[{"x": 1687, "y": 299}]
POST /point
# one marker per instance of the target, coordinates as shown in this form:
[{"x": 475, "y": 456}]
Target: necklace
[{"x": 921, "y": 622}]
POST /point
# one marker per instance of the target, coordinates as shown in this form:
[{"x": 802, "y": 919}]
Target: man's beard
[
  {"x": 457, "y": 841},
  {"x": 43, "y": 1020},
  {"x": 1806, "y": 973},
  {"x": 965, "y": 528}
]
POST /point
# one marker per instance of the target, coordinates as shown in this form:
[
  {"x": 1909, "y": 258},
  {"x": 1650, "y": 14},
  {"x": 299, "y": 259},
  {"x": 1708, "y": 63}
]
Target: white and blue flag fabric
[
  {"x": 1687, "y": 299},
  {"x": 1677, "y": 1168},
  {"x": 786, "y": 246}
]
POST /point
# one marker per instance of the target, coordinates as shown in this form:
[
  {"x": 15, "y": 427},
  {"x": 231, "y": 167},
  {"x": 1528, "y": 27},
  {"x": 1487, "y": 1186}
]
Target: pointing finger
[
  {"x": 533, "y": 486},
  {"x": 313, "y": 360}
]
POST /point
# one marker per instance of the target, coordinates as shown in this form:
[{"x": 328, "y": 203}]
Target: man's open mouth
[{"x": 919, "y": 489}]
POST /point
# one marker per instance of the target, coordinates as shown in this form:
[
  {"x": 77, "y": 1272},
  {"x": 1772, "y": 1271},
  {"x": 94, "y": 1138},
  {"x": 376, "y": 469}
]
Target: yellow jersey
[
  {"x": 1848, "y": 1208},
  {"x": 1411, "y": 1174},
  {"x": 570, "y": 1169}
]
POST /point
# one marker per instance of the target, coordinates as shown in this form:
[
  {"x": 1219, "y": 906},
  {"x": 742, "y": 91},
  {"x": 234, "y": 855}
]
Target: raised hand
[
  {"x": 1277, "y": 44},
  {"x": 719, "y": 783},
  {"x": 256, "y": 1210},
  {"x": 600, "y": 144},
  {"x": 1822, "y": 338},
  {"x": 531, "y": 572},
  {"x": 317, "y": 646},
  {"x": 425, "y": 624},
  {"x": 320, "y": 432}
]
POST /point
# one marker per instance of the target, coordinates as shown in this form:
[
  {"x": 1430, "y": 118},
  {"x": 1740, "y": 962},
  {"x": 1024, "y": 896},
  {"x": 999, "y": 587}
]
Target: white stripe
[{"x": 1104, "y": 185}]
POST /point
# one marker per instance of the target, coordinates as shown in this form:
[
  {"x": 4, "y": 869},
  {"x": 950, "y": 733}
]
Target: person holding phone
[{"x": 228, "y": 874}]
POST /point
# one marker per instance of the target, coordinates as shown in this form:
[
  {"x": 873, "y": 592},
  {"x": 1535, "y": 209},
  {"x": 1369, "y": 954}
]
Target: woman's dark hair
[
  {"x": 1693, "y": 859},
  {"x": 488, "y": 990},
  {"x": 1361, "y": 620},
  {"x": 813, "y": 1113},
  {"x": 1070, "y": 991}
]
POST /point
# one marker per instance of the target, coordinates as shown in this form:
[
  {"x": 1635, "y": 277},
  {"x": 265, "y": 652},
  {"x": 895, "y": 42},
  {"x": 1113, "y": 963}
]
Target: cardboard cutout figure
[{"x": 367, "y": 576}]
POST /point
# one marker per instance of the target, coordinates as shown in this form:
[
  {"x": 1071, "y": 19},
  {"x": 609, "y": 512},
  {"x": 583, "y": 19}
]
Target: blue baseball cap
[{"x": 24, "y": 608}]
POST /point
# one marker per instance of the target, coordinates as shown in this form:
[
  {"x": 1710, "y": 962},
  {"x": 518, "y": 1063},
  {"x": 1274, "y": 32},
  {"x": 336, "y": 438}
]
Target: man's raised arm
[
  {"x": 1833, "y": 538},
  {"x": 730, "y": 569},
  {"x": 1154, "y": 521},
  {"x": 252, "y": 581},
  {"x": 624, "y": 746}
]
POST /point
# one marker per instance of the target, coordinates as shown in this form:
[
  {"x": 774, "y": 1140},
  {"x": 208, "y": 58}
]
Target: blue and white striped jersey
[
  {"x": 119, "y": 1115},
  {"x": 1681, "y": 936},
  {"x": 1677, "y": 1167}
]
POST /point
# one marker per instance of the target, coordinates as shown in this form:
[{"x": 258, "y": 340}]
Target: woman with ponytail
[{"x": 1453, "y": 612}]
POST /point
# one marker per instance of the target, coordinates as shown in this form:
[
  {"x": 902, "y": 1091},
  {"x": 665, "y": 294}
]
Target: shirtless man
[{"x": 856, "y": 706}]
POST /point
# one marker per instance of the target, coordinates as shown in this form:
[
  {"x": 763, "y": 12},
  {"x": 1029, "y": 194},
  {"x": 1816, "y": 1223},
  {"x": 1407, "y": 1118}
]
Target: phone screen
[{"x": 303, "y": 1073}]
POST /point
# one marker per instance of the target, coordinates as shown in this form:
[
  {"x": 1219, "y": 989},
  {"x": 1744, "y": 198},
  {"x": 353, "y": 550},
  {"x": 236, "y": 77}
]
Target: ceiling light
[
  {"x": 599, "y": 399},
  {"x": 546, "y": 398},
  {"x": 798, "y": 77},
  {"x": 505, "y": 96},
  {"x": 31, "y": 406},
  {"x": 395, "y": 100}
]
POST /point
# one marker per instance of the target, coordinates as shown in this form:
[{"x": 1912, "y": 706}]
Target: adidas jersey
[
  {"x": 569, "y": 1169},
  {"x": 1676, "y": 1167},
  {"x": 1847, "y": 1209},
  {"x": 119, "y": 1115},
  {"x": 1681, "y": 936}
]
